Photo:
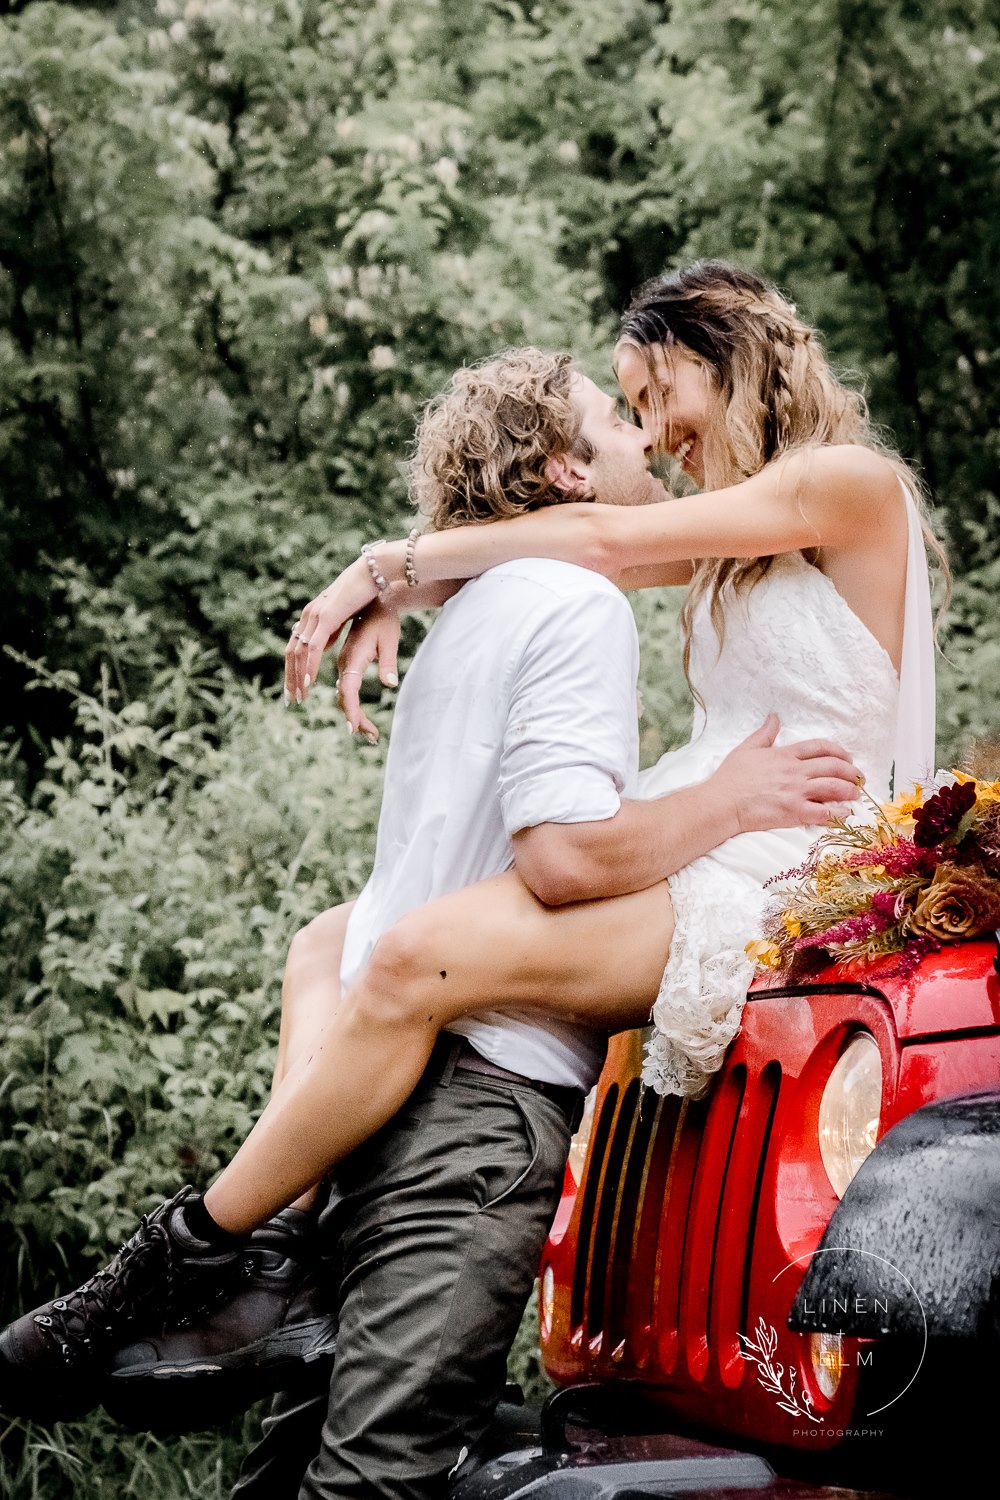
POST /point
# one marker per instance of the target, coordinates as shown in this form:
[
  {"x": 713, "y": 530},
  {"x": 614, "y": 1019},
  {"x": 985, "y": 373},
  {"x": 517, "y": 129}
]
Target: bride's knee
[
  {"x": 396, "y": 986},
  {"x": 318, "y": 942}
]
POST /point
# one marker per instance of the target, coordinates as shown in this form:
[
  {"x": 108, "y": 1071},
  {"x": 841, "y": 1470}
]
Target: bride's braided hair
[{"x": 778, "y": 393}]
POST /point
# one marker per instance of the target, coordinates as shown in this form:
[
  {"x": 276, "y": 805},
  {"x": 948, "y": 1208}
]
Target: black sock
[{"x": 203, "y": 1226}]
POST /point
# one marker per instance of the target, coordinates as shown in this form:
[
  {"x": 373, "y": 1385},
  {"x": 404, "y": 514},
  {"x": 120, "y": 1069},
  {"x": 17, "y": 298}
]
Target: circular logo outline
[{"x": 853, "y": 1250}]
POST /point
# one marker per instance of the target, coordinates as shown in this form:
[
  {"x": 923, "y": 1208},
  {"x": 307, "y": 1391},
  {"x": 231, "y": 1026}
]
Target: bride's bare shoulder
[
  {"x": 847, "y": 477},
  {"x": 851, "y": 462}
]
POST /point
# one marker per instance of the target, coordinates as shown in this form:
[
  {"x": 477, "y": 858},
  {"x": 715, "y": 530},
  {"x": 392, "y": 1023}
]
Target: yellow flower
[
  {"x": 791, "y": 924},
  {"x": 986, "y": 791},
  {"x": 901, "y": 810},
  {"x": 765, "y": 955}
]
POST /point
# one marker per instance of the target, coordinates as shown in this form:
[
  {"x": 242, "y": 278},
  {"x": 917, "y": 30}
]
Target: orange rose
[{"x": 960, "y": 902}]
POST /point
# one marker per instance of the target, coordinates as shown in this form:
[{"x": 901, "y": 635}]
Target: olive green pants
[{"x": 436, "y": 1227}]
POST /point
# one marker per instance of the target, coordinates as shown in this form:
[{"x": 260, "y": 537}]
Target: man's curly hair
[{"x": 483, "y": 443}]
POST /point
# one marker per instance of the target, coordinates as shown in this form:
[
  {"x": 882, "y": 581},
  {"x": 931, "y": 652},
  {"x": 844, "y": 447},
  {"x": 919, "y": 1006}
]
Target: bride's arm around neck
[
  {"x": 845, "y": 497},
  {"x": 837, "y": 498}
]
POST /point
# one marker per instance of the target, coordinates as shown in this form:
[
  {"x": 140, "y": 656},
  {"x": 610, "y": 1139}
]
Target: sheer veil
[{"x": 914, "y": 759}]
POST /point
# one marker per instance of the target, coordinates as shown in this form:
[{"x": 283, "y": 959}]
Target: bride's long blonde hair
[{"x": 778, "y": 395}]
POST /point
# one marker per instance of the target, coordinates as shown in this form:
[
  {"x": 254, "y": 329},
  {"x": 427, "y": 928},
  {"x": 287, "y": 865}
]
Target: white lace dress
[{"x": 792, "y": 645}]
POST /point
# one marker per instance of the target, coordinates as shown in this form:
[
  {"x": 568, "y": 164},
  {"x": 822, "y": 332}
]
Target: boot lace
[{"x": 88, "y": 1319}]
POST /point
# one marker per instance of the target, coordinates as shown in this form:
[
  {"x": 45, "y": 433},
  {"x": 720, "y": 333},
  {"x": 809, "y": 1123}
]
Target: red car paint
[{"x": 695, "y": 1220}]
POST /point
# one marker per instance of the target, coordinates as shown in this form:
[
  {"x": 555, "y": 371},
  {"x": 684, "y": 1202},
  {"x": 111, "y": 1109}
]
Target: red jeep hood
[{"x": 955, "y": 990}]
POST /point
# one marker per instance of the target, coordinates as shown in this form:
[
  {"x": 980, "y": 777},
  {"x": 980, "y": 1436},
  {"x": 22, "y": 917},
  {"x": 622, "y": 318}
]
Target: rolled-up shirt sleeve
[{"x": 570, "y": 746}]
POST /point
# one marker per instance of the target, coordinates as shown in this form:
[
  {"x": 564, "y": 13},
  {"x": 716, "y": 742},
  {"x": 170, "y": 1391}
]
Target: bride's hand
[
  {"x": 320, "y": 624},
  {"x": 373, "y": 636}
]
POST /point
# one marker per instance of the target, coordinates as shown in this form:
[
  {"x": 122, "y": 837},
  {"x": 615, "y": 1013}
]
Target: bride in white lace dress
[
  {"x": 794, "y": 644},
  {"x": 810, "y": 599}
]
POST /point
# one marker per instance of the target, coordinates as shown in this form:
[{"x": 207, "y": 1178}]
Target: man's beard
[{"x": 615, "y": 483}]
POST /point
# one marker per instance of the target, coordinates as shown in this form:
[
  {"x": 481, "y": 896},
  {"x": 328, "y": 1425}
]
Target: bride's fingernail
[
  {"x": 391, "y": 679},
  {"x": 307, "y": 679},
  {"x": 285, "y": 698},
  {"x": 298, "y": 695},
  {"x": 350, "y": 728}
]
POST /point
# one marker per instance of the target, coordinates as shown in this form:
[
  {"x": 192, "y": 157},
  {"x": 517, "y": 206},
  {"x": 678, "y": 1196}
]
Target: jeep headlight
[
  {"x": 850, "y": 1109},
  {"x": 547, "y": 1301},
  {"x": 826, "y": 1351}
]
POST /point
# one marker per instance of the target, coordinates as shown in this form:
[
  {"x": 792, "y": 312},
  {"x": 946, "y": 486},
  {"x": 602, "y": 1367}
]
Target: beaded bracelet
[
  {"x": 378, "y": 577},
  {"x": 409, "y": 567}
]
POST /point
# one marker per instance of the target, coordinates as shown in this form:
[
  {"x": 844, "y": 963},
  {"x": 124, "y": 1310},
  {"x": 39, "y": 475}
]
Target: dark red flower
[{"x": 941, "y": 814}]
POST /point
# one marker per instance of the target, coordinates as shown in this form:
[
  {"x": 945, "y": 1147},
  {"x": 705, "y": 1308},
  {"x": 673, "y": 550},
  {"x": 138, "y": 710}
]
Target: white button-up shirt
[{"x": 518, "y": 709}]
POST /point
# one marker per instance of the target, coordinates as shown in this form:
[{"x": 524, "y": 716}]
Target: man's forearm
[
  {"x": 642, "y": 844},
  {"x": 759, "y": 785},
  {"x": 647, "y": 841}
]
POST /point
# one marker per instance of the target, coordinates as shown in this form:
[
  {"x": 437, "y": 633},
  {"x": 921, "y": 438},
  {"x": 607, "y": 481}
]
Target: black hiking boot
[
  {"x": 276, "y": 1332},
  {"x": 53, "y": 1360}
]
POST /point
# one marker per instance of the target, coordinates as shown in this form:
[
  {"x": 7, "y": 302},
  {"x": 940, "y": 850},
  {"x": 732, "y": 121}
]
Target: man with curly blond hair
[
  {"x": 507, "y": 436},
  {"x": 517, "y": 718}
]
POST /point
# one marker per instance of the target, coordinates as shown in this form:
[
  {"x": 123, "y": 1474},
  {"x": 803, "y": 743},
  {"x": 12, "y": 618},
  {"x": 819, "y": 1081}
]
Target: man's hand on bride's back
[{"x": 786, "y": 786}]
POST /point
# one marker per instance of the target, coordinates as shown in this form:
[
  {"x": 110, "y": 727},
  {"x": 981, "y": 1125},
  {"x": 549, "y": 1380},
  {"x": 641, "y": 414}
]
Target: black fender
[{"x": 927, "y": 1203}]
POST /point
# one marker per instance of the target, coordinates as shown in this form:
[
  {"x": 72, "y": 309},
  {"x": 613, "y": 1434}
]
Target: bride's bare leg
[
  {"x": 310, "y": 994},
  {"x": 310, "y": 989},
  {"x": 488, "y": 946}
]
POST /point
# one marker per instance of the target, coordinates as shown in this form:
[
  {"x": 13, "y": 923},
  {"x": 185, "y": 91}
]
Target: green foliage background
[{"x": 239, "y": 245}]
